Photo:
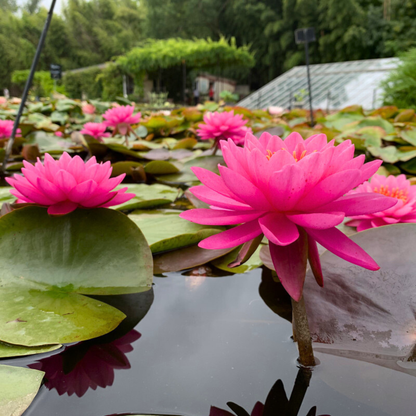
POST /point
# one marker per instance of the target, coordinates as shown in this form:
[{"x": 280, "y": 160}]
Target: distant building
[{"x": 334, "y": 86}]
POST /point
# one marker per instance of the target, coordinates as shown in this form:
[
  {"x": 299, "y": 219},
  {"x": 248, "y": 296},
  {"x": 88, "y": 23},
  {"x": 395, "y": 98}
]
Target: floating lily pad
[
  {"x": 125, "y": 167},
  {"x": 35, "y": 315},
  {"x": 18, "y": 388},
  {"x": 186, "y": 175},
  {"x": 10, "y": 350},
  {"x": 94, "y": 251},
  {"x": 148, "y": 196},
  {"x": 363, "y": 314},
  {"x": 186, "y": 258},
  {"x": 161, "y": 167},
  {"x": 165, "y": 230},
  {"x": 6, "y": 196},
  {"x": 253, "y": 263}
]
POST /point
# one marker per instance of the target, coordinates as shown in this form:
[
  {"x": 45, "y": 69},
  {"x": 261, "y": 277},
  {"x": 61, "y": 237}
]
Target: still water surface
[{"x": 205, "y": 342}]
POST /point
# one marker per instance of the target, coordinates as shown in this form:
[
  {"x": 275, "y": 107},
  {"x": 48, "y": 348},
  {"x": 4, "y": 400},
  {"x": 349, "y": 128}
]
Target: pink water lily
[
  {"x": 293, "y": 192},
  {"x": 68, "y": 183},
  {"x": 225, "y": 125},
  {"x": 121, "y": 118},
  {"x": 96, "y": 130},
  {"x": 6, "y": 127},
  {"x": 88, "y": 109},
  {"x": 397, "y": 187}
]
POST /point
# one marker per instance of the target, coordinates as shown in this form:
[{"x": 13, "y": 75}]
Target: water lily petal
[
  {"x": 233, "y": 237},
  {"x": 219, "y": 217},
  {"x": 62, "y": 208},
  {"x": 290, "y": 264},
  {"x": 339, "y": 244},
  {"x": 278, "y": 229},
  {"x": 319, "y": 221},
  {"x": 314, "y": 261},
  {"x": 211, "y": 197}
]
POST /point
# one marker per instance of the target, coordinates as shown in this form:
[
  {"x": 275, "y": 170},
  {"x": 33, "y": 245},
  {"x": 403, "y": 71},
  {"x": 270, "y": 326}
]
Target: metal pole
[
  {"x": 309, "y": 82},
  {"x": 184, "y": 82},
  {"x": 28, "y": 84}
]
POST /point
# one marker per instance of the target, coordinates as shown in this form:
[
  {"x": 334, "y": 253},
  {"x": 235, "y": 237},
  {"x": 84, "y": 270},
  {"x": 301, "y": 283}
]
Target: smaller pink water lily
[
  {"x": 67, "y": 184},
  {"x": 223, "y": 126},
  {"x": 88, "y": 109},
  {"x": 397, "y": 187},
  {"x": 6, "y": 127},
  {"x": 121, "y": 118},
  {"x": 276, "y": 111},
  {"x": 3, "y": 100},
  {"x": 96, "y": 130},
  {"x": 59, "y": 134}
]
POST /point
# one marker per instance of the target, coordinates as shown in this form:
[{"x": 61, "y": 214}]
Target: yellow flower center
[
  {"x": 303, "y": 154},
  {"x": 394, "y": 193}
]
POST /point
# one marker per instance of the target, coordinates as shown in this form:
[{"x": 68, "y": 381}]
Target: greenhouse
[{"x": 334, "y": 86}]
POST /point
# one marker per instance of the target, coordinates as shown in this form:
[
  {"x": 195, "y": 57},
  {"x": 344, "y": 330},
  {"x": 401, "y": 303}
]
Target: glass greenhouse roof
[{"x": 334, "y": 86}]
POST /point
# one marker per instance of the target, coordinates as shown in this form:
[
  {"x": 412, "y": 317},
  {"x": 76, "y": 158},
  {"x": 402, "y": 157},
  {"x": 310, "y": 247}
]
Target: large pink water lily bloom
[
  {"x": 121, "y": 118},
  {"x": 397, "y": 187},
  {"x": 293, "y": 192},
  {"x": 225, "y": 125},
  {"x": 6, "y": 127},
  {"x": 68, "y": 183},
  {"x": 96, "y": 130}
]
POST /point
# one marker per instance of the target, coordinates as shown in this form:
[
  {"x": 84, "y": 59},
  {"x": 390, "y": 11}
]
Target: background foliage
[{"x": 95, "y": 31}]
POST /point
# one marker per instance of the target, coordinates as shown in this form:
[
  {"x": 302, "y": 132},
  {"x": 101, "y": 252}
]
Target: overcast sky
[{"x": 45, "y": 3}]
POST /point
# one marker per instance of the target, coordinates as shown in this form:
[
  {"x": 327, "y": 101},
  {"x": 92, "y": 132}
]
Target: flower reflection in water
[
  {"x": 277, "y": 403},
  {"x": 86, "y": 366}
]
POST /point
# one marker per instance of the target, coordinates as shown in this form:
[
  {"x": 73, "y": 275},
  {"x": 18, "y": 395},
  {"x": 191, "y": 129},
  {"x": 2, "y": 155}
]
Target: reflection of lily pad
[
  {"x": 148, "y": 196},
  {"x": 165, "y": 231},
  {"x": 18, "y": 388},
  {"x": 364, "y": 314}
]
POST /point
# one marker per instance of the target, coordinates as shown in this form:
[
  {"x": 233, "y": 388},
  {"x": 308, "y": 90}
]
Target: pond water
[{"x": 204, "y": 342}]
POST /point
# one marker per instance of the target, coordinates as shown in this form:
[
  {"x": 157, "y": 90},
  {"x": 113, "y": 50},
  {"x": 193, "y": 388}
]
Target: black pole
[
  {"x": 28, "y": 84},
  {"x": 184, "y": 81},
  {"x": 309, "y": 82}
]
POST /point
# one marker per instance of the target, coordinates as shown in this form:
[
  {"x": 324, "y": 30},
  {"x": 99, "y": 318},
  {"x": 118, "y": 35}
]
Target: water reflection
[
  {"x": 91, "y": 364},
  {"x": 277, "y": 403},
  {"x": 86, "y": 366}
]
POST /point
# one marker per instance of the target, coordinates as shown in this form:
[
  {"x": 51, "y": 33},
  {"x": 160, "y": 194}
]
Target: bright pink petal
[
  {"x": 233, "y": 237},
  {"x": 329, "y": 189},
  {"x": 339, "y": 244},
  {"x": 212, "y": 181},
  {"x": 278, "y": 229},
  {"x": 290, "y": 264},
  {"x": 245, "y": 190},
  {"x": 319, "y": 221},
  {"x": 314, "y": 261},
  {"x": 219, "y": 217},
  {"x": 62, "y": 208},
  {"x": 286, "y": 187},
  {"x": 359, "y": 204},
  {"x": 211, "y": 197},
  {"x": 82, "y": 191},
  {"x": 120, "y": 198}
]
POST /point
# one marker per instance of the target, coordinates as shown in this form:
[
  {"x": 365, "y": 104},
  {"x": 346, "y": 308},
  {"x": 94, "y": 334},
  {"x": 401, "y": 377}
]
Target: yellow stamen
[
  {"x": 269, "y": 154},
  {"x": 394, "y": 193},
  {"x": 301, "y": 156}
]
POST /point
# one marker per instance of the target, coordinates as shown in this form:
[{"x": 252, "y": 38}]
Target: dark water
[{"x": 205, "y": 342}]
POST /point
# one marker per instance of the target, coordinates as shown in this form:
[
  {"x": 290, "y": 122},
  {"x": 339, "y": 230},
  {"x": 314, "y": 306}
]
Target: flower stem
[
  {"x": 216, "y": 144},
  {"x": 302, "y": 333}
]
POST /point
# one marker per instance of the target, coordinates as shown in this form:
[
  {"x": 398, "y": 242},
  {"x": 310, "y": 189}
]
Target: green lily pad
[
  {"x": 187, "y": 176},
  {"x": 59, "y": 117},
  {"x": 409, "y": 136},
  {"x": 6, "y": 196},
  {"x": 161, "y": 167},
  {"x": 35, "y": 315},
  {"x": 10, "y": 350},
  {"x": 18, "y": 388},
  {"x": 166, "y": 231},
  {"x": 252, "y": 263},
  {"x": 124, "y": 167},
  {"x": 95, "y": 251},
  {"x": 148, "y": 196}
]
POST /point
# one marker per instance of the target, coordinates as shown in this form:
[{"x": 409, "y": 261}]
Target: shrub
[{"x": 400, "y": 86}]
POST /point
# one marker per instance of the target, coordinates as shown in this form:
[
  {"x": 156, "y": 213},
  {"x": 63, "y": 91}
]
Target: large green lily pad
[
  {"x": 34, "y": 315},
  {"x": 165, "y": 230},
  {"x": 10, "y": 350},
  {"x": 252, "y": 263},
  {"x": 18, "y": 388},
  {"x": 148, "y": 196},
  {"x": 95, "y": 251}
]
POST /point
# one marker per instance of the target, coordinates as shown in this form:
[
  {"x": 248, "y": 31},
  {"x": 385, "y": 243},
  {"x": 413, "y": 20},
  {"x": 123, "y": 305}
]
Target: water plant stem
[{"x": 302, "y": 333}]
